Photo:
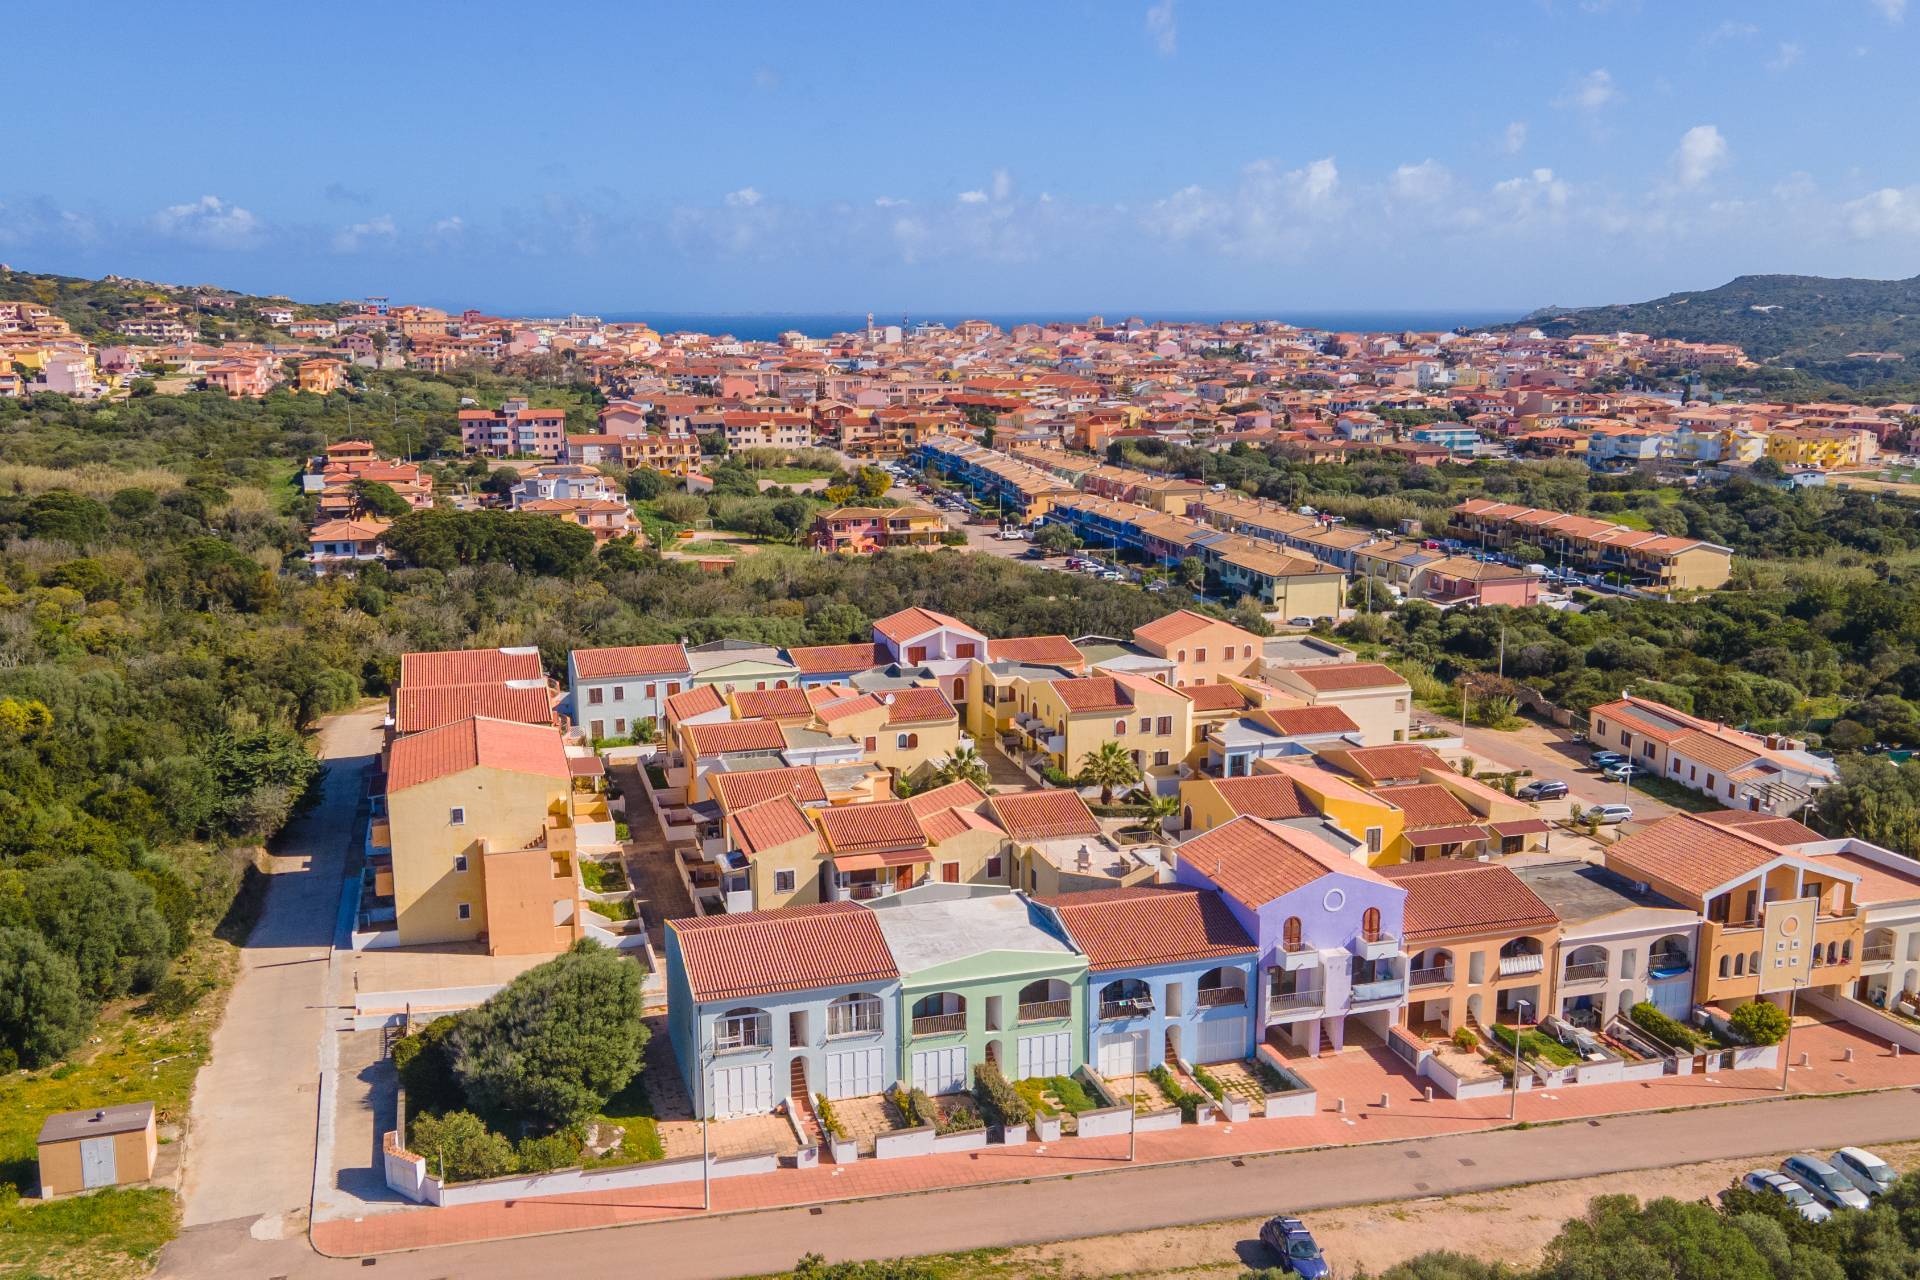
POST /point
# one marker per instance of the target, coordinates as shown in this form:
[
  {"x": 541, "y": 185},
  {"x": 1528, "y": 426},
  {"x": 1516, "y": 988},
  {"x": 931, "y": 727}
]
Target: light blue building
[{"x": 1171, "y": 976}]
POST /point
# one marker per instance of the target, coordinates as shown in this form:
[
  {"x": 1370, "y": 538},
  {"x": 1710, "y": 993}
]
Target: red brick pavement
[{"x": 1360, "y": 1077}]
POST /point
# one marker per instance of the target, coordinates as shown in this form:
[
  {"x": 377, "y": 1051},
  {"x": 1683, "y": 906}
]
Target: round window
[{"x": 1335, "y": 899}]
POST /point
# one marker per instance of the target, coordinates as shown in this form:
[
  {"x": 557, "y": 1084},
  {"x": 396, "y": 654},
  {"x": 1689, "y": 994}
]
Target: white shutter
[
  {"x": 940, "y": 1070},
  {"x": 740, "y": 1091},
  {"x": 1223, "y": 1040},
  {"x": 1046, "y": 1055},
  {"x": 1124, "y": 1054},
  {"x": 856, "y": 1074}
]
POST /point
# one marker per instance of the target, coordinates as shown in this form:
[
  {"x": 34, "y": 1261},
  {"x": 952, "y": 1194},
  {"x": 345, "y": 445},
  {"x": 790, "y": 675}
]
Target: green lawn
[
  {"x": 1669, "y": 792},
  {"x": 140, "y": 1057},
  {"x": 633, "y": 1111}
]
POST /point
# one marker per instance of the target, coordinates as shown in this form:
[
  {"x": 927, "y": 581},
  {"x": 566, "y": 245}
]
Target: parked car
[
  {"x": 1545, "y": 789},
  {"x": 1829, "y": 1186},
  {"x": 1601, "y": 759},
  {"x": 1624, "y": 771},
  {"x": 1034, "y": 553},
  {"x": 1294, "y": 1245},
  {"x": 1865, "y": 1170},
  {"x": 1300, "y": 622},
  {"x": 1766, "y": 1182},
  {"x": 1608, "y": 814}
]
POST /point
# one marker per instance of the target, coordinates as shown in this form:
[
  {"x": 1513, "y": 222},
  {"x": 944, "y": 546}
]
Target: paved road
[
  {"x": 1551, "y": 754},
  {"x": 1117, "y": 1201},
  {"x": 251, "y": 1146}
]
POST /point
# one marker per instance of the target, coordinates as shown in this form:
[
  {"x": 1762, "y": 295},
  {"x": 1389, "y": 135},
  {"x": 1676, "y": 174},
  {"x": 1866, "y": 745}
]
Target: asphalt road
[
  {"x": 1551, "y": 754},
  {"x": 250, "y": 1148},
  {"x": 1107, "y": 1202}
]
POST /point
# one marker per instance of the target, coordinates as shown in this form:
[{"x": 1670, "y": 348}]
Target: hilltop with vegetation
[
  {"x": 1858, "y": 333},
  {"x": 96, "y": 308}
]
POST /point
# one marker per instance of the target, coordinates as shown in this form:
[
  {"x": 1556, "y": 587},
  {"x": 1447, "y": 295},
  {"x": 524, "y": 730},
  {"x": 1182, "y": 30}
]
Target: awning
[
  {"x": 585, "y": 766},
  {"x": 1444, "y": 835},
  {"x": 1522, "y": 827},
  {"x": 885, "y": 858}
]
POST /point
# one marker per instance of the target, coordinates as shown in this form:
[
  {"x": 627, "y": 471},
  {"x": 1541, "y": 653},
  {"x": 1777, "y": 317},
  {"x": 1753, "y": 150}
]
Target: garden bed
[{"x": 1057, "y": 1095}]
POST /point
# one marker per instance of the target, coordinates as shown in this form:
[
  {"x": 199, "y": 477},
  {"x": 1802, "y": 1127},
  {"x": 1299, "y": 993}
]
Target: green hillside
[
  {"x": 95, "y": 308},
  {"x": 1829, "y": 329}
]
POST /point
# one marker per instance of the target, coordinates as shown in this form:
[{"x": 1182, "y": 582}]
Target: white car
[
  {"x": 1865, "y": 1170},
  {"x": 1768, "y": 1183},
  {"x": 1608, "y": 814}
]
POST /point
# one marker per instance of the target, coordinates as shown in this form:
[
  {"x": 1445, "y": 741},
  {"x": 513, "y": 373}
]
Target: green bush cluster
[
  {"x": 1187, "y": 1100},
  {"x": 1664, "y": 1029},
  {"x": 1001, "y": 1103}
]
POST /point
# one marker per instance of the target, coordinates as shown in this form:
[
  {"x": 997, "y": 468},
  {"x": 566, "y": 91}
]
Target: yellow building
[
  {"x": 1068, "y": 720},
  {"x": 1280, "y": 790},
  {"x": 1202, "y": 649},
  {"x": 1821, "y": 447},
  {"x": 1058, "y": 847},
  {"x": 1481, "y": 943},
  {"x": 902, "y": 730}
]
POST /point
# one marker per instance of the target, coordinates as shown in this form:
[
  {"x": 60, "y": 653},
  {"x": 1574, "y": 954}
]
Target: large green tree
[{"x": 43, "y": 1013}]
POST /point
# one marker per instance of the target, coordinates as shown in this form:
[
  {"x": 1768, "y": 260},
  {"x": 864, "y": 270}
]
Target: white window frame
[
  {"x": 464, "y": 911},
  {"x": 858, "y": 1015},
  {"x": 739, "y": 1029},
  {"x": 459, "y": 862},
  {"x": 457, "y": 816},
  {"x": 784, "y": 880}
]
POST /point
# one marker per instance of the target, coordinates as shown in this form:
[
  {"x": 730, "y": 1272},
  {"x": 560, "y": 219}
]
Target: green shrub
[
  {"x": 1188, "y": 1101},
  {"x": 1535, "y": 1045},
  {"x": 1001, "y": 1102},
  {"x": 562, "y": 1150},
  {"x": 823, "y": 1111},
  {"x": 1665, "y": 1029},
  {"x": 1205, "y": 1080},
  {"x": 459, "y": 1147},
  {"x": 1464, "y": 1040},
  {"x": 959, "y": 1117},
  {"x": 1759, "y": 1022}
]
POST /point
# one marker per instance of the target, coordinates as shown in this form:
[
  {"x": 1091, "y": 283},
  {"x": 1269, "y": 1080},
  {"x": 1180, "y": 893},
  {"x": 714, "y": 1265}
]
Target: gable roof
[
  {"x": 1215, "y": 697},
  {"x": 697, "y": 701},
  {"x": 470, "y": 666},
  {"x": 1394, "y": 760},
  {"x": 1177, "y": 625},
  {"x": 1056, "y": 651},
  {"x": 1763, "y": 826},
  {"x": 1044, "y": 815},
  {"x": 961, "y": 794},
  {"x": 1343, "y": 676},
  {"x": 1265, "y": 795},
  {"x": 772, "y": 704},
  {"x": 1302, "y": 721},
  {"x": 769, "y": 824},
  {"x": 1450, "y": 898},
  {"x": 1090, "y": 693},
  {"x": 1697, "y": 856},
  {"x": 722, "y": 736},
  {"x": 472, "y": 743},
  {"x": 1147, "y": 925},
  {"x": 1428, "y": 804},
  {"x": 870, "y": 828},
  {"x": 741, "y": 790},
  {"x": 912, "y": 622},
  {"x": 435, "y": 705},
  {"x": 631, "y": 660},
  {"x": 833, "y": 659},
  {"x": 735, "y": 957},
  {"x": 1257, "y": 861}
]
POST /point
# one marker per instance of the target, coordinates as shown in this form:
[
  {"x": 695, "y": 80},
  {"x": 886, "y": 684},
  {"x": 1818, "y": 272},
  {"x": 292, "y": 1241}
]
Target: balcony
[
  {"x": 1296, "y": 958},
  {"x": 1379, "y": 946},
  {"x": 1285, "y": 1003},
  {"x": 1138, "y": 1007},
  {"x": 940, "y": 1024},
  {"x": 1437, "y": 976},
  {"x": 1876, "y": 953},
  {"x": 1046, "y": 1010},
  {"x": 1594, "y": 971},
  {"x": 1221, "y": 997},
  {"x": 1381, "y": 989}
]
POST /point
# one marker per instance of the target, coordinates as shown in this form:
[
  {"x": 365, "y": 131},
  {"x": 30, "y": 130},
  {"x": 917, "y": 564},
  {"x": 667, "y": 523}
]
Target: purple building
[{"x": 1327, "y": 929}]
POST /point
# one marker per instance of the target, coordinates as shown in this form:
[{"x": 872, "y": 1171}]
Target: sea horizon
[{"x": 767, "y": 325}]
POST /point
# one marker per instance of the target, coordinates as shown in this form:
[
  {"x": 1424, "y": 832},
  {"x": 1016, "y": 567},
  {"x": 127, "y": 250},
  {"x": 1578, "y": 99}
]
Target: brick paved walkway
[{"x": 1360, "y": 1077}]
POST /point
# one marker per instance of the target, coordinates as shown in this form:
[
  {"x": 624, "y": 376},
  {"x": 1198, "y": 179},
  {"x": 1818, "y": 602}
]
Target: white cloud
[
  {"x": 209, "y": 222},
  {"x": 1515, "y": 139},
  {"x": 1891, "y": 10},
  {"x": 1701, "y": 154},
  {"x": 449, "y": 226},
  {"x": 1785, "y": 56},
  {"x": 1890, "y": 211},
  {"x": 1426, "y": 181},
  {"x": 1002, "y": 184},
  {"x": 888, "y": 202},
  {"x": 1162, "y": 28},
  {"x": 1590, "y": 92},
  {"x": 351, "y": 239},
  {"x": 973, "y": 197},
  {"x": 744, "y": 198},
  {"x": 1537, "y": 194},
  {"x": 1271, "y": 214}
]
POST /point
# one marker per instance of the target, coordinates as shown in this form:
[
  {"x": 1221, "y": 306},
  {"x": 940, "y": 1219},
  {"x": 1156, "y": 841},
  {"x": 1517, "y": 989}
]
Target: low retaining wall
[
  {"x": 1864, "y": 1017},
  {"x": 917, "y": 1141},
  {"x": 1303, "y": 1101},
  {"x": 970, "y": 1140},
  {"x": 406, "y": 1173},
  {"x": 1155, "y": 1121},
  {"x": 375, "y": 1009}
]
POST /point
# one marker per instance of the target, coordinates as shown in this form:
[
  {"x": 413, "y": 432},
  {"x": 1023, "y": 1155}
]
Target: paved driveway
[
  {"x": 1550, "y": 753},
  {"x": 250, "y": 1151}
]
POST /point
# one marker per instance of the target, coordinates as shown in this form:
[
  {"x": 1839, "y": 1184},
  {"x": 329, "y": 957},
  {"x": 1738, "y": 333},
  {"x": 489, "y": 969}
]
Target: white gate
[
  {"x": 940, "y": 1070},
  {"x": 857, "y": 1073},
  {"x": 1124, "y": 1054},
  {"x": 1222, "y": 1040},
  {"x": 741, "y": 1091},
  {"x": 97, "y": 1167},
  {"x": 1046, "y": 1055}
]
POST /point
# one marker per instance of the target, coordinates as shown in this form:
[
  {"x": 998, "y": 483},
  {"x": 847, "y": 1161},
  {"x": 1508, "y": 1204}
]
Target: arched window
[
  {"x": 779, "y": 684},
  {"x": 857, "y": 1014},
  {"x": 913, "y": 740},
  {"x": 1180, "y": 655},
  {"x": 1186, "y": 819},
  {"x": 739, "y": 1029},
  {"x": 1846, "y": 951},
  {"x": 1753, "y": 963},
  {"x": 960, "y": 690},
  {"x": 1119, "y": 728},
  {"x": 1740, "y": 966},
  {"x": 1726, "y": 963},
  {"x": 1290, "y": 934},
  {"x": 1370, "y": 924}
]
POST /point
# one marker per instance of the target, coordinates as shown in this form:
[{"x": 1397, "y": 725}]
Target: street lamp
[
  {"x": 706, "y": 1157},
  {"x": 1786, "y": 1044}
]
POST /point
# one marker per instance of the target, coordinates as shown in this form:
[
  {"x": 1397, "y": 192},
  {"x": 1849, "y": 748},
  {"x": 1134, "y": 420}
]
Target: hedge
[
  {"x": 1000, "y": 1101},
  {"x": 1665, "y": 1029}
]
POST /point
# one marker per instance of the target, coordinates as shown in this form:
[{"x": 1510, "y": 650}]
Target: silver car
[
  {"x": 1768, "y": 1183},
  {"x": 1865, "y": 1170},
  {"x": 1829, "y": 1186}
]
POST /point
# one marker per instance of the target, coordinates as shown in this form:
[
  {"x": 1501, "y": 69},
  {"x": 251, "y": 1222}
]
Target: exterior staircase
[{"x": 801, "y": 1100}]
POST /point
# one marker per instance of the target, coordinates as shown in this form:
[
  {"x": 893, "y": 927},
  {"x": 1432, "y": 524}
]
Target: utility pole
[
  {"x": 1503, "y": 651},
  {"x": 706, "y": 1157},
  {"x": 1133, "y": 1117},
  {"x": 1786, "y": 1044}
]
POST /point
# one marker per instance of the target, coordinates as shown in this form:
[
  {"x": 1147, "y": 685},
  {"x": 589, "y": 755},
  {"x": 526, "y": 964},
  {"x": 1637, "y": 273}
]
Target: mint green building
[{"x": 985, "y": 976}]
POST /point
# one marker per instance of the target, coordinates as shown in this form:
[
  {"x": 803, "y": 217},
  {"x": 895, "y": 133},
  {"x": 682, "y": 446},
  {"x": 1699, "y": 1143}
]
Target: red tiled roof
[
  {"x": 1265, "y": 795},
  {"x": 1690, "y": 853},
  {"x": 472, "y": 743},
  {"x": 916, "y": 706},
  {"x": 1120, "y": 928},
  {"x": 870, "y": 828},
  {"x": 837, "y": 709},
  {"x": 1175, "y": 626},
  {"x": 469, "y": 666},
  {"x": 908, "y": 623},
  {"x": 831, "y": 659},
  {"x": 722, "y": 736},
  {"x": 1398, "y": 760},
  {"x": 1091, "y": 693},
  {"x": 1057, "y": 651},
  {"x": 1427, "y": 804},
  {"x": 772, "y": 704},
  {"x": 1763, "y": 826},
  {"x": 1311, "y": 720},
  {"x": 1348, "y": 675},
  {"x": 766, "y": 825},
  {"x": 435, "y": 705},
  {"x": 631, "y": 660},
  {"x": 1044, "y": 815},
  {"x": 1467, "y": 899},
  {"x": 741, "y": 790},
  {"x": 1215, "y": 697},
  {"x": 697, "y": 701},
  {"x": 766, "y": 952},
  {"x": 962, "y": 794},
  {"x": 1257, "y": 861}
]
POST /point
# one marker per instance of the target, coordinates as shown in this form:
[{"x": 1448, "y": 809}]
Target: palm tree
[
  {"x": 964, "y": 765},
  {"x": 1108, "y": 768}
]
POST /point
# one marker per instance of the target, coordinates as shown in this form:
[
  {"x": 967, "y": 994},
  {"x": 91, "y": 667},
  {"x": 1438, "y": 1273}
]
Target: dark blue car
[{"x": 1294, "y": 1245}]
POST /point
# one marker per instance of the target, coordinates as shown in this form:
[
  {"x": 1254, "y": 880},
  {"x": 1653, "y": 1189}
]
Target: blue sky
[{"x": 1171, "y": 154}]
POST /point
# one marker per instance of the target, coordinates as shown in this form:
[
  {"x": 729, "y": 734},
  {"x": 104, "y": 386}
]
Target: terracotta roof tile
[
  {"x": 917, "y": 706},
  {"x": 833, "y": 659},
  {"x": 435, "y": 705},
  {"x": 1466, "y": 899},
  {"x": 766, "y": 952},
  {"x": 1398, "y": 760},
  {"x": 740, "y": 790},
  {"x": 870, "y": 828},
  {"x": 723, "y": 736},
  {"x": 697, "y": 701},
  {"x": 962, "y": 794},
  {"x": 769, "y": 824},
  {"x": 1427, "y": 804},
  {"x": 1121, "y": 928},
  {"x": 1175, "y": 626},
  {"x": 1302, "y": 721},
  {"x": 1091, "y": 693},
  {"x": 1348, "y": 675},
  {"x": 469, "y": 666},
  {"x": 1763, "y": 826},
  {"x": 908, "y": 623},
  {"x": 1056, "y": 651},
  {"x": 1215, "y": 697},
  {"x": 472, "y": 743},
  {"x": 1692, "y": 854},
  {"x": 772, "y": 704},
  {"x": 631, "y": 660},
  {"x": 1044, "y": 815},
  {"x": 1269, "y": 796},
  {"x": 1257, "y": 861}
]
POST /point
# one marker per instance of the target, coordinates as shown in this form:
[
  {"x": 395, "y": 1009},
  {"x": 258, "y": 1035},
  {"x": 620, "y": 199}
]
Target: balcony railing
[
  {"x": 1436, "y": 976},
  {"x": 1290, "y": 1001},
  {"x": 1138, "y": 1007},
  {"x": 940, "y": 1024},
  {"x": 1590, "y": 971},
  {"x": 1874, "y": 952},
  {"x": 1384, "y": 989},
  {"x": 1221, "y": 997},
  {"x": 1045, "y": 1010}
]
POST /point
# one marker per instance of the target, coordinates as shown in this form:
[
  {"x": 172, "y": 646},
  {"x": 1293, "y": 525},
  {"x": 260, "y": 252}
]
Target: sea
[{"x": 762, "y": 326}]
